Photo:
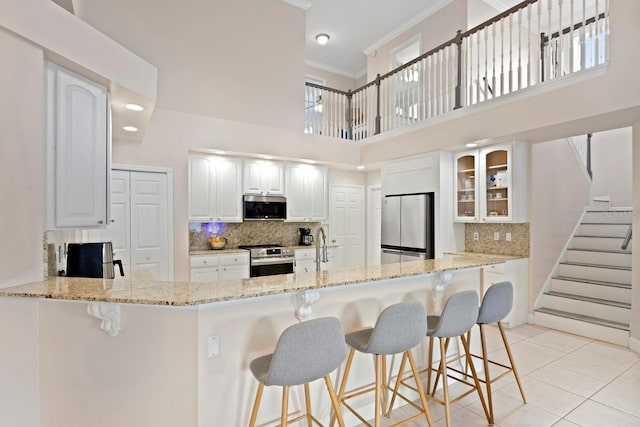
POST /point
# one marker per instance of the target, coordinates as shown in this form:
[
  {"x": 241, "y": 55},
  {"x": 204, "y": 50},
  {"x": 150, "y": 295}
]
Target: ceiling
[{"x": 355, "y": 26}]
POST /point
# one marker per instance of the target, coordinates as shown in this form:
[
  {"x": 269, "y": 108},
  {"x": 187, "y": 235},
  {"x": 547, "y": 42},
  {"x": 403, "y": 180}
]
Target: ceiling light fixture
[
  {"x": 267, "y": 157},
  {"x": 471, "y": 145},
  {"x": 134, "y": 107},
  {"x": 322, "y": 39},
  {"x": 130, "y": 128},
  {"x": 360, "y": 167},
  {"x": 219, "y": 152}
]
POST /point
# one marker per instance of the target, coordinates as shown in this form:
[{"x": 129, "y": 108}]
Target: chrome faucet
[{"x": 324, "y": 248}]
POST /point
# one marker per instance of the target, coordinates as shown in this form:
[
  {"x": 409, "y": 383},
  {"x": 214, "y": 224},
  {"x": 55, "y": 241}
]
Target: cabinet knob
[
  {"x": 147, "y": 258},
  {"x": 100, "y": 221},
  {"x": 204, "y": 262},
  {"x": 113, "y": 220}
]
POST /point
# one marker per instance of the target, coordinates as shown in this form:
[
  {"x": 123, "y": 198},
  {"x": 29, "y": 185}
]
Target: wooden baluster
[
  {"x": 529, "y": 52},
  {"x": 493, "y": 78},
  {"x": 549, "y": 62},
  {"x": 495, "y": 89},
  {"x": 510, "y": 53},
  {"x": 519, "y": 82},
  {"x": 560, "y": 55},
  {"x": 539, "y": 68}
]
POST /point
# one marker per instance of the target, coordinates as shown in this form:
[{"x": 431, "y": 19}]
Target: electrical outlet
[
  {"x": 507, "y": 237},
  {"x": 476, "y": 235},
  {"x": 213, "y": 346},
  {"x": 496, "y": 235}
]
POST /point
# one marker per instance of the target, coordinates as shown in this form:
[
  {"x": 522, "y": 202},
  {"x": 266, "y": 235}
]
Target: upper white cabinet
[
  {"x": 78, "y": 151},
  {"x": 214, "y": 188},
  {"x": 306, "y": 192},
  {"x": 491, "y": 184},
  {"x": 263, "y": 177}
]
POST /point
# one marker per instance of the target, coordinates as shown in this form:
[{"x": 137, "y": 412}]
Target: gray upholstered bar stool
[
  {"x": 457, "y": 318},
  {"x": 399, "y": 328},
  {"x": 496, "y": 305},
  {"x": 305, "y": 352}
]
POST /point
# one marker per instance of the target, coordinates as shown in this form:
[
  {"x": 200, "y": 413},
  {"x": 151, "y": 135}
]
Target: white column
[{"x": 635, "y": 242}]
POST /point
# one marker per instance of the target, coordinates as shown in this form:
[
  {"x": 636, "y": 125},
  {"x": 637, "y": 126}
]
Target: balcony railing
[{"x": 534, "y": 42}]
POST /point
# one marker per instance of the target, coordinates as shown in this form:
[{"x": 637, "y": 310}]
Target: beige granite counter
[
  {"x": 140, "y": 288},
  {"x": 217, "y": 252}
]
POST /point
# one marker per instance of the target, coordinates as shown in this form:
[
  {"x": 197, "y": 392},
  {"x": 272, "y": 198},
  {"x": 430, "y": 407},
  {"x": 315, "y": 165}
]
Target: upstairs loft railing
[{"x": 534, "y": 42}]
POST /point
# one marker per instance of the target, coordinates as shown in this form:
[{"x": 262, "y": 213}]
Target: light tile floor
[{"x": 568, "y": 381}]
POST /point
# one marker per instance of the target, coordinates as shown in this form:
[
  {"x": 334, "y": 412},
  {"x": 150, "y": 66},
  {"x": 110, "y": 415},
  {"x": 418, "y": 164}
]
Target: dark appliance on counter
[
  {"x": 92, "y": 260},
  {"x": 407, "y": 228},
  {"x": 306, "y": 238},
  {"x": 264, "y": 208},
  {"x": 267, "y": 260}
]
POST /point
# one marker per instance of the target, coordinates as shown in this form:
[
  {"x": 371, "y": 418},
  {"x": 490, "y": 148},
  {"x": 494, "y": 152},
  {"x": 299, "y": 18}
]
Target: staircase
[{"x": 589, "y": 292}]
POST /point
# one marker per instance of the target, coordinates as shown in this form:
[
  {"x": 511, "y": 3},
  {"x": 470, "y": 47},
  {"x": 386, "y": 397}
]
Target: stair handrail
[{"x": 627, "y": 238}]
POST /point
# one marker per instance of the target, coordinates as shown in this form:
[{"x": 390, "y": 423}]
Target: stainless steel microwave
[{"x": 265, "y": 208}]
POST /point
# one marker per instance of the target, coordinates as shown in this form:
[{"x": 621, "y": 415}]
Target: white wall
[
  {"x": 611, "y": 165},
  {"x": 560, "y": 193},
  {"x": 332, "y": 80}
]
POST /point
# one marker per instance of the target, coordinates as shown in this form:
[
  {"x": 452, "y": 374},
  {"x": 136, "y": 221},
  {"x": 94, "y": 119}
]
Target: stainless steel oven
[{"x": 267, "y": 260}]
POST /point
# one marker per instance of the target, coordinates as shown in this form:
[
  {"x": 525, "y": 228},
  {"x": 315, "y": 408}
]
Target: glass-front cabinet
[{"x": 491, "y": 184}]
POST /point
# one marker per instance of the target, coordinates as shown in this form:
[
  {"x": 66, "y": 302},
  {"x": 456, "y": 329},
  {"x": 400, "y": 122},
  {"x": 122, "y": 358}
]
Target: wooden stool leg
[
  {"x": 285, "y": 406},
  {"x": 256, "y": 404},
  {"x": 487, "y": 375},
  {"x": 307, "y": 401},
  {"x": 378, "y": 369},
  {"x": 435, "y": 384},
  {"x": 511, "y": 361},
  {"x": 334, "y": 401},
  {"x": 445, "y": 383},
  {"x": 383, "y": 387},
  {"x": 429, "y": 364},
  {"x": 423, "y": 399},
  {"x": 475, "y": 378},
  {"x": 398, "y": 380},
  {"x": 343, "y": 384}
]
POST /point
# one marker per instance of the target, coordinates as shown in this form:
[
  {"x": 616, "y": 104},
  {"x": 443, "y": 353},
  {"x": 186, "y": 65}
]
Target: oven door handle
[{"x": 272, "y": 261}]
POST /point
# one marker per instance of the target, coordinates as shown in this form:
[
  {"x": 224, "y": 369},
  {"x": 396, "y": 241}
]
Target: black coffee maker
[{"x": 306, "y": 239}]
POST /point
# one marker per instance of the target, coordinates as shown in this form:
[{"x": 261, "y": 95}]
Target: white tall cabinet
[
  {"x": 141, "y": 227},
  {"x": 491, "y": 184},
  {"x": 78, "y": 151},
  {"x": 215, "y": 184},
  {"x": 307, "y": 192}
]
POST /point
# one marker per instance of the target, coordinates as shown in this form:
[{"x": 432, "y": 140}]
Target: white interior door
[
  {"x": 346, "y": 224},
  {"x": 149, "y": 223},
  {"x": 374, "y": 236}
]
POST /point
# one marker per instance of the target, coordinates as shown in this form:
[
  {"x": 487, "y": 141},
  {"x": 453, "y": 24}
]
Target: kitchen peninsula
[{"x": 181, "y": 354}]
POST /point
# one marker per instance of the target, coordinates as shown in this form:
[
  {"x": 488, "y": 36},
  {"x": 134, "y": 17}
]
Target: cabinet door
[
  {"x": 466, "y": 182},
  {"x": 296, "y": 193},
  {"x": 207, "y": 274},
  {"x": 81, "y": 146},
  {"x": 305, "y": 266},
  {"x": 235, "y": 272},
  {"x": 272, "y": 178},
  {"x": 201, "y": 188},
  {"x": 496, "y": 175},
  {"x": 317, "y": 194},
  {"x": 228, "y": 194},
  {"x": 252, "y": 177}
]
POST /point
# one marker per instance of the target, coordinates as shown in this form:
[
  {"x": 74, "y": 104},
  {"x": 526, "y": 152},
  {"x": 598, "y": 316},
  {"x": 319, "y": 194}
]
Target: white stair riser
[
  {"x": 605, "y": 230},
  {"x": 589, "y": 257},
  {"x": 601, "y": 311},
  {"x": 597, "y": 243},
  {"x": 609, "y": 217},
  {"x": 611, "y": 293},
  {"x": 585, "y": 329},
  {"x": 594, "y": 273}
]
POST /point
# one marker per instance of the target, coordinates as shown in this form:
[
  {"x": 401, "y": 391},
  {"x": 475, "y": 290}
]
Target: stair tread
[
  {"x": 599, "y": 237},
  {"x": 593, "y": 282},
  {"x": 605, "y": 251},
  {"x": 589, "y": 319},
  {"x": 606, "y": 223},
  {"x": 584, "y": 264},
  {"x": 590, "y": 299},
  {"x": 611, "y": 210}
]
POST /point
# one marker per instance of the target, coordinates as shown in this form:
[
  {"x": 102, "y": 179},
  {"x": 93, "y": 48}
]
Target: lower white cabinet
[
  {"x": 306, "y": 260},
  {"x": 517, "y": 272},
  {"x": 208, "y": 268}
]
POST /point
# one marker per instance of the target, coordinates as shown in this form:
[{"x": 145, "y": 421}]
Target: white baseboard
[{"x": 634, "y": 344}]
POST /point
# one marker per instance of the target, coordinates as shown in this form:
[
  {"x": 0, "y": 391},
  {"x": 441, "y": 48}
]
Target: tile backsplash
[
  {"x": 248, "y": 233},
  {"x": 518, "y": 246}
]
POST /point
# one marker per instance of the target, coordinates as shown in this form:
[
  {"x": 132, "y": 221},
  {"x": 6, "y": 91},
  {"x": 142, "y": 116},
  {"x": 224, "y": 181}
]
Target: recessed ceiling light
[
  {"x": 360, "y": 167},
  {"x": 130, "y": 128},
  {"x": 134, "y": 107},
  {"x": 322, "y": 39},
  {"x": 472, "y": 144}
]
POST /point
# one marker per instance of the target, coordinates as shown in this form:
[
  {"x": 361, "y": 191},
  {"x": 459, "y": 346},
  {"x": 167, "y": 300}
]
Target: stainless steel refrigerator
[{"x": 407, "y": 228}]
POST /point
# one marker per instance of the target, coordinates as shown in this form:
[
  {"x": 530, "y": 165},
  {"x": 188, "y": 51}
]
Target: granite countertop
[
  {"x": 217, "y": 251},
  {"x": 480, "y": 254},
  {"x": 140, "y": 287}
]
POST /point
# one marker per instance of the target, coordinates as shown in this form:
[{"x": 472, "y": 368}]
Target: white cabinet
[
  {"x": 306, "y": 260},
  {"x": 263, "y": 177},
  {"x": 517, "y": 272},
  {"x": 307, "y": 192},
  {"x": 491, "y": 184},
  {"x": 78, "y": 156},
  {"x": 207, "y": 268},
  {"x": 214, "y": 188}
]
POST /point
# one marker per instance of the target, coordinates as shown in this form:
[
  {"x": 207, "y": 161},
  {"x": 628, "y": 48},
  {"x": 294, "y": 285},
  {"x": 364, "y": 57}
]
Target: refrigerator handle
[{"x": 392, "y": 251}]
